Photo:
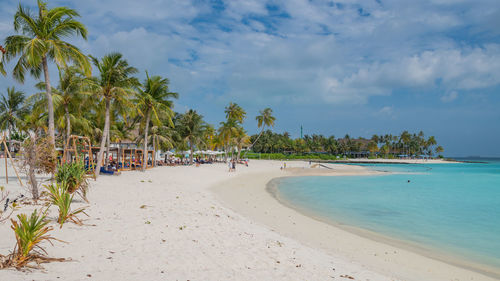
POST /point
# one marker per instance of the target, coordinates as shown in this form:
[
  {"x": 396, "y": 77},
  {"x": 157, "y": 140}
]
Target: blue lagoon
[{"x": 440, "y": 208}]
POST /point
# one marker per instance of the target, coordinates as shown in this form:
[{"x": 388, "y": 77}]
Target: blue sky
[{"x": 335, "y": 67}]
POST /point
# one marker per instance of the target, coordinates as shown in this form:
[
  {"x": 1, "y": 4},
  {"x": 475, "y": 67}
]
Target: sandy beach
[{"x": 203, "y": 223}]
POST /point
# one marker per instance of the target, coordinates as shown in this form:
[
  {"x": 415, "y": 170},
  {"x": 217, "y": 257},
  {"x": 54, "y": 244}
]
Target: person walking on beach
[
  {"x": 234, "y": 166},
  {"x": 229, "y": 165}
]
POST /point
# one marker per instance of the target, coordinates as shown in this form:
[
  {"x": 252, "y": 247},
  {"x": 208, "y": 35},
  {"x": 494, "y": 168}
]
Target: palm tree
[
  {"x": 439, "y": 150},
  {"x": 227, "y": 130},
  {"x": 431, "y": 141},
  {"x": 191, "y": 128},
  {"x": 41, "y": 41},
  {"x": 11, "y": 110},
  {"x": 153, "y": 101},
  {"x": 69, "y": 98},
  {"x": 113, "y": 84},
  {"x": 265, "y": 118},
  {"x": 235, "y": 112},
  {"x": 35, "y": 119},
  {"x": 241, "y": 139}
]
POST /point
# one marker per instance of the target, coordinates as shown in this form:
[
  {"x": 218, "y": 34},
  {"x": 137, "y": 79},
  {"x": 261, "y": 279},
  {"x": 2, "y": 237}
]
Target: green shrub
[
  {"x": 75, "y": 178},
  {"x": 60, "y": 196},
  {"x": 30, "y": 232}
]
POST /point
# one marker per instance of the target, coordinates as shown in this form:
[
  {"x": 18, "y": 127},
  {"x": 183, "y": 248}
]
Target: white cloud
[
  {"x": 342, "y": 54},
  {"x": 386, "y": 110},
  {"x": 449, "y": 97}
]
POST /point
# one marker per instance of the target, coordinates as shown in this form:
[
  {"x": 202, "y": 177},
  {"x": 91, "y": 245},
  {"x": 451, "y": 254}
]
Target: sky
[{"x": 334, "y": 67}]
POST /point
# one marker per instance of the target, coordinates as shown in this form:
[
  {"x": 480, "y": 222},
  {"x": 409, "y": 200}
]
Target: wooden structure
[
  {"x": 7, "y": 154},
  {"x": 125, "y": 155},
  {"x": 132, "y": 158},
  {"x": 77, "y": 147}
]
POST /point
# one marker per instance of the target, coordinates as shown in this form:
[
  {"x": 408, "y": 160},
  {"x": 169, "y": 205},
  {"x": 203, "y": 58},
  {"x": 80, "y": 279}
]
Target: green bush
[
  {"x": 60, "y": 196},
  {"x": 30, "y": 232},
  {"x": 74, "y": 177}
]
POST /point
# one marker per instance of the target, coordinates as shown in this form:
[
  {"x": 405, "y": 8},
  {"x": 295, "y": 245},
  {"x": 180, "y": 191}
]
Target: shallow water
[{"x": 452, "y": 208}]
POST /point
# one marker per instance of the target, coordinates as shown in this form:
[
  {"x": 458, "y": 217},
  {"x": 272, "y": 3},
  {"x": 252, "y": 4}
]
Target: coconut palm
[
  {"x": 191, "y": 128},
  {"x": 153, "y": 102},
  {"x": 69, "y": 98},
  {"x": 35, "y": 119},
  {"x": 265, "y": 118},
  {"x": 241, "y": 140},
  {"x": 11, "y": 110},
  {"x": 226, "y": 132},
  {"x": 113, "y": 84},
  {"x": 41, "y": 41},
  {"x": 439, "y": 150},
  {"x": 235, "y": 112},
  {"x": 431, "y": 141}
]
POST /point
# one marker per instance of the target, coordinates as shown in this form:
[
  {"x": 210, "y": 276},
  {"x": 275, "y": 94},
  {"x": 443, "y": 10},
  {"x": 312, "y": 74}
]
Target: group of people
[{"x": 232, "y": 164}]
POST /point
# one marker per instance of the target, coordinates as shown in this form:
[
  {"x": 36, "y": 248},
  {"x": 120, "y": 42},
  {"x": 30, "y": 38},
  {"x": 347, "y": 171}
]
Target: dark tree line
[{"x": 405, "y": 144}]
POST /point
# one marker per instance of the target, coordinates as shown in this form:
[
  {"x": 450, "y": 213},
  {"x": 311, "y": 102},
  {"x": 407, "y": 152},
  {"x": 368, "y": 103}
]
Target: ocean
[{"x": 447, "y": 208}]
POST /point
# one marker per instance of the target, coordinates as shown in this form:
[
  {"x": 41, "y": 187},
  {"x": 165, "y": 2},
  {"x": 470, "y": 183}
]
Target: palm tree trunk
[
  {"x": 106, "y": 161},
  {"x": 238, "y": 155},
  {"x": 251, "y": 146},
  {"x": 145, "y": 152},
  {"x": 50, "y": 105},
  {"x": 105, "y": 133},
  {"x": 261, "y": 131},
  {"x": 68, "y": 129},
  {"x": 154, "y": 150},
  {"x": 10, "y": 137},
  {"x": 31, "y": 160},
  {"x": 191, "y": 155},
  {"x": 68, "y": 122},
  {"x": 225, "y": 153}
]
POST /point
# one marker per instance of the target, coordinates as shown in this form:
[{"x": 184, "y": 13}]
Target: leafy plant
[
  {"x": 75, "y": 178},
  {"x": 30, "y": 232},
  {"x": 60, "y": 196}
]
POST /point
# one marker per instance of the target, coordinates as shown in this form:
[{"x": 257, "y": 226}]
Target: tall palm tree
[
  {"x": 35, "y": 119},
  {"x": 153, "y": 102},
  {"x": 114, "y": 83},
  {"x": 439, "y": 150},
  {"x": 69, "y": 98},
  {"x": 265, "y": 118},
  {"x": 431, "y": 141},
  {"x": 11, "y": 110},
  {"x": 235, "y": 112},
  {"x": 241, "y": 140},
  {"x": 191, "y": 128},
  {"x": 226, "y": 131},
  {"x": 41, "y": 41}
]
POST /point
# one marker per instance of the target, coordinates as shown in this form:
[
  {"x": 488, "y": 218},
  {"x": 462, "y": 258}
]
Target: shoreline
[
  {"x": 382, "y": 161},
  {"x": 424, "y": 250},
  {"x": 378, "y": 252}
]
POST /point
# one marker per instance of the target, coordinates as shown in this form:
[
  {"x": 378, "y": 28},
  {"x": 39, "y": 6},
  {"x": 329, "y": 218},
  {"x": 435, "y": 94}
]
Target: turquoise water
[{"x": 452, "y": 208}]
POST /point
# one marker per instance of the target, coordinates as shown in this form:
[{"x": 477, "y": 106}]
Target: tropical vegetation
[
  {"x": 108, "y": 104},
  {"x": 60, "y": 196},
  {"x": 385, "y": 146},
  {"x": 30, "y": 231}
]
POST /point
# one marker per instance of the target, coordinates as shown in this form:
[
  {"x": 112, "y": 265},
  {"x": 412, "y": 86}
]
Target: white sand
[{"x": 186, "y": 232}]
